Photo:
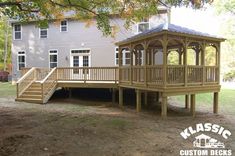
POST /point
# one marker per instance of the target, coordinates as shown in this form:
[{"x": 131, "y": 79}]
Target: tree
[
  {"x": 226, "y": 8},
  {"x": 130, "y": 10},
  {"x": 5, "y": 40}
]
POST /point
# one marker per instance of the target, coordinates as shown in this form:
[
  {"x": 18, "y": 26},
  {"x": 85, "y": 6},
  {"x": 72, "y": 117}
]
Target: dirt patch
[
  {"x": 71, "y": 128},
  {"x": 9, "y": 145}
]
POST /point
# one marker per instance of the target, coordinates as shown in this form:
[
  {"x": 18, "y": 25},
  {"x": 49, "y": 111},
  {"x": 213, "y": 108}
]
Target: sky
[{"x": 204, "y": 20}]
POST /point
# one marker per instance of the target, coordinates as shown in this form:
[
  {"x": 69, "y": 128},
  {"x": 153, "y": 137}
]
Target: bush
[{"x": 230, "y": 76}]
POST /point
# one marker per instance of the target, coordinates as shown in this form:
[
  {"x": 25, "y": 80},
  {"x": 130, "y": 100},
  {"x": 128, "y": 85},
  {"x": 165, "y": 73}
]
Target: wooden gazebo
[{"x": 150, "y": 70}]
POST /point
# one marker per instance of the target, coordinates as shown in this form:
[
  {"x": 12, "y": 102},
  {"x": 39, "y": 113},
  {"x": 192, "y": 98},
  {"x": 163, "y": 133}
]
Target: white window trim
[
  {"x": 53, "y": 54},
  {"x": 18, "y": 31},
  {"x": 40, "y": 33},
  {"x": 18, "y": 67},
  {"x": 142, "y": 23},
  {"x": 123, "y": 57},
  {"x": 115, "y": 58},
  {"x": 80, "y": 54},
  {"x": 66, "y": 26}
]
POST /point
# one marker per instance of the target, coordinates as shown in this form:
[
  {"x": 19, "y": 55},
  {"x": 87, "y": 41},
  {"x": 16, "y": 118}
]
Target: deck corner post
[
  {"x": 192, "y": 107},
  {"x": 138, "y": 100},
  {"x": 164, "y": 106},
  {"x": 216, "y": 102},
  {"x": 187, "y": 101},
  {"x": 120, "y": 97}
]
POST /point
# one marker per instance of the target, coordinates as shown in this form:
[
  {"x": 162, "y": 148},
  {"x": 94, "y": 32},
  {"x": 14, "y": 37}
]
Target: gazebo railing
[{"x": 175, "y": 75}]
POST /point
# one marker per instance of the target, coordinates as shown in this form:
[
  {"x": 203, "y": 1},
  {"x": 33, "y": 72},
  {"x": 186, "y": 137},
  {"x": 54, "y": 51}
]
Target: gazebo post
[
  {"x": 131, "y": 64},
  {"x": 120, "y": 77},
  {"x": 145, "y": 63},
  {"x": 185, "y": 62},
  {"x": 203, "y": 63},
  {"x": 164, "y": 48}
]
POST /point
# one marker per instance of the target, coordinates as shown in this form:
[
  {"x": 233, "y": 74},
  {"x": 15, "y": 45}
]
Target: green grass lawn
[
  {"x": 226, "y": 100},
  {"x": 7, "y": 89}
]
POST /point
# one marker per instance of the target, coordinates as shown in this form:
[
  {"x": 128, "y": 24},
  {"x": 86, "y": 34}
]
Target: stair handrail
[
  {"x": 19, "y": 87},
  {"x": 48, "y": 75},
  {"x": 43, "y": 82}
]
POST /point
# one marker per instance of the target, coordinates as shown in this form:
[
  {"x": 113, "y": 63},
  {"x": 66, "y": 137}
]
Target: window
[
  {"x": 143, "y": 26},
  {"x": 17, "y": 32},
  {"x": 126, "y": 57},
  {"x": 116, "y": 56},
  {"x": 43, "y": 32},
  {"x": 53, "y": 58},
  {"x": 64, "y": 26},
  {"x": 80, "y": 51},
  {"x": 21, "y": 60}
]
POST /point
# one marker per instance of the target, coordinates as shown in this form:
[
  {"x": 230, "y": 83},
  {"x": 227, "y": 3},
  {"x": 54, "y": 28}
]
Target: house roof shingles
[{"x": 169, "y": 28}]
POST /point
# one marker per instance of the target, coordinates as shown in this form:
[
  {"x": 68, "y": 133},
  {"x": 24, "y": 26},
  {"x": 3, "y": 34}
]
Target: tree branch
[{"x": 19, "y": 5}]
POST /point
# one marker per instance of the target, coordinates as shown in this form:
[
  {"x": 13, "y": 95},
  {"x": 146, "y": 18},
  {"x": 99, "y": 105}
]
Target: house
[
  {"x": 86, "y": 59},
  {"x": 71, "y": 43}
]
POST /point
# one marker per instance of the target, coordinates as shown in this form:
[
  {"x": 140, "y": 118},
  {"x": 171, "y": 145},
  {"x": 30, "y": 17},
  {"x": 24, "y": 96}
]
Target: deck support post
[
  {"x": 187, "y": 101},
  {"x": 164, "y": 106},
  {"x": 70, "y": 93},
  {"x": 216, "y": 102},
  {"x": 113, "y": 96},
  {"x": 120, "y": 97},
  {"x": 146, "y": 98},
  {"x": 157, "y": 97},
  {"x": 193, "y": 112},
  {"x": 138, "y": 100}
]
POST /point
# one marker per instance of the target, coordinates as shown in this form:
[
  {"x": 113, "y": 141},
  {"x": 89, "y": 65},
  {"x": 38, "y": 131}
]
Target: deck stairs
[{"x": 31, "y": 89}]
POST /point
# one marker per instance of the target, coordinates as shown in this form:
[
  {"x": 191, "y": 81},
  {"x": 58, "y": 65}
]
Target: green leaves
[{"x": 130, "y": 10}]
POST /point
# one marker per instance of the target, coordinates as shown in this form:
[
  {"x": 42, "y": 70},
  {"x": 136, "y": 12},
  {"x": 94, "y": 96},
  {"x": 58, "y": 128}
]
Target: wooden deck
[{"x": 37, "y": 85}]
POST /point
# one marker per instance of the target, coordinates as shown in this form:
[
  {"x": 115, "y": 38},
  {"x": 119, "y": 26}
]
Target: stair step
[
  {"x": 32, "y": 92},
  {"x": 31, "y": 96},
  {"x": 30, "y": 100},
  {"x": 33, "y": 89}
]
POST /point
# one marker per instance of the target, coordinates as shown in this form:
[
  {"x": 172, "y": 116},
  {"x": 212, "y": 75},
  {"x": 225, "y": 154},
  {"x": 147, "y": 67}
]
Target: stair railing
[
  {"x": 48, "y": 85},
  {"x": 25, "y": 81}
]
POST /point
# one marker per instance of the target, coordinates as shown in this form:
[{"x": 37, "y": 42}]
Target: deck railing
[
  {"x": 48, "y": 84},
  {"x": 41, "y": 73},
  {"x": 25, "y": 81},
  {"x": 88, "y": 74},
  {"x": 175, "y": 75},
  {"x": 212, "y": 74},
  {"x": 195, "y": 74}
]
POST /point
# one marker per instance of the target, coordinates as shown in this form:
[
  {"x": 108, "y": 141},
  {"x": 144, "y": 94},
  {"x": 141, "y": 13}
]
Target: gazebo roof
[{"x": 172, "y": 29}]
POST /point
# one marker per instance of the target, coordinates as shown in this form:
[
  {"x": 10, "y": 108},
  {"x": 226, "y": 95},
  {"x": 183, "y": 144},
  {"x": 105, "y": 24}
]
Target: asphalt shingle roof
[{"x": 170, "y": 28}]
